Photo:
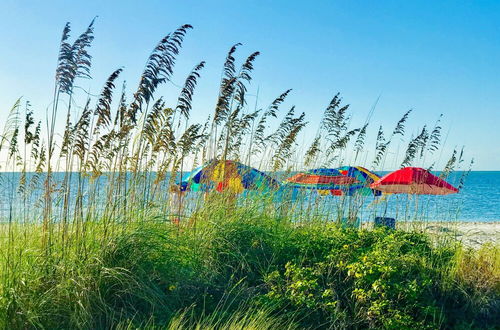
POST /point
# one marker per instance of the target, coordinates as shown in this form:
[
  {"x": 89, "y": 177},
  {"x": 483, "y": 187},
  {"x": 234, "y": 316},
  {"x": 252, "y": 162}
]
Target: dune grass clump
[{"x": 472, "y": 286}]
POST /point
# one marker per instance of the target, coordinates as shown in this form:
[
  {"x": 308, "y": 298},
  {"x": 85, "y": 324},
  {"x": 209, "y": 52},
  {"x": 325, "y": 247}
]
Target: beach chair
[{"x": 385, "y": 222}]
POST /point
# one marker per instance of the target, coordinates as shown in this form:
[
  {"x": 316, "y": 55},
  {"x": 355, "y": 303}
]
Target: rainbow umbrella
[
  {"x": 413, "y": 180},
  {"x": 364, "y": 179},
  {"x": 229, "y": 176},
  {"x": 345, "y": 180}
]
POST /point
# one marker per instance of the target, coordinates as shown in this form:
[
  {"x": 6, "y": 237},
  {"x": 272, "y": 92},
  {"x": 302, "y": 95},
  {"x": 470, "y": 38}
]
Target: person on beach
[{"x": 177, "y": 194}]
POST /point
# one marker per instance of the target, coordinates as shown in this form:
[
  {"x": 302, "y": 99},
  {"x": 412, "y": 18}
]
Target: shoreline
[{"x": 470, "y": 234}]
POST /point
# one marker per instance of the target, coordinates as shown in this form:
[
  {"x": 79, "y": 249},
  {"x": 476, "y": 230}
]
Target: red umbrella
[{"x": 413, "y": 180}]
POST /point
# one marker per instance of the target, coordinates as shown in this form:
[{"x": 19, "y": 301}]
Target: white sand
[{"x": 471, "y": 234}]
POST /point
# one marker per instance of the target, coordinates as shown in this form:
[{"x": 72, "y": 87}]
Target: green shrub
[{"x": 381, "y": 278}]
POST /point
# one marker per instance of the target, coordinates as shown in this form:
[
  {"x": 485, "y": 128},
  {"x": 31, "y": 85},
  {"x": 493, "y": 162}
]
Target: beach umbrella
[
  {"x": 413, "y": 180},
  {"x": 345, "y": 180},
  {"x": 364, "y": 179},
  {"x": 229, "y": 176}
]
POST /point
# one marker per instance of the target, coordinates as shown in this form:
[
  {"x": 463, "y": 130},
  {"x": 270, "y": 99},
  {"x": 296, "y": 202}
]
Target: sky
[{"x": 435, "y": 57}]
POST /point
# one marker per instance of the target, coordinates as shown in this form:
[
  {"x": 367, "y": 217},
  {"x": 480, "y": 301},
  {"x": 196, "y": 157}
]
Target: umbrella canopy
[
  {"x": 413, "y": 180},
  {"x": 227, "y": 176},
  {"x": 345, "y": 180},
  {"x": 364, "y": 177},
  {"x": 359, "y": 172}
]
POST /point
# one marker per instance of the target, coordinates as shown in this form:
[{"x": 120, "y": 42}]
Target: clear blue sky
[{"x": 432, "y": 56}]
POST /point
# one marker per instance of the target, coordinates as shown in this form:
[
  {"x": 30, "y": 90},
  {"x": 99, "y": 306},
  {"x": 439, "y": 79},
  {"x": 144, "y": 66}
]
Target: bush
[{"x": 377, "y": 278}]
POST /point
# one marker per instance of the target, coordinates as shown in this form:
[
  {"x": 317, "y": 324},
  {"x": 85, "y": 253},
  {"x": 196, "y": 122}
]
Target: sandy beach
[{"x": 471, "y": 234}]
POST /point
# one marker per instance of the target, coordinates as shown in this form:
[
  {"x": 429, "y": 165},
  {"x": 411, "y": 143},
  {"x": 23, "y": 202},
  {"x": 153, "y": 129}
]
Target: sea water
[{"x": 478, "y": 200}]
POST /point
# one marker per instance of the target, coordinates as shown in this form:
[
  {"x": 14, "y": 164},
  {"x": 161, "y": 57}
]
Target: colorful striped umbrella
[
  {"x": 413, "y": 180},
  {"x": 229, "y": 176},
  {"x": 345, "y": 180},
  {"x": 364, "y": 177}
]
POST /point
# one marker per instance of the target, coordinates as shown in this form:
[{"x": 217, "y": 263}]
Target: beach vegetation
[{"x": 92, "y": 237}]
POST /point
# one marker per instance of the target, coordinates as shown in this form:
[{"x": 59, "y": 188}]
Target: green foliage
[
  {"x": 149, "y": 273},
  {"x": 368, "y": 279}
]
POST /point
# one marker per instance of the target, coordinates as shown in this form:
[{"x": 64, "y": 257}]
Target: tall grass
[
  {"x": 114, "y": 155},
  {"x": 87, "y": 239}
]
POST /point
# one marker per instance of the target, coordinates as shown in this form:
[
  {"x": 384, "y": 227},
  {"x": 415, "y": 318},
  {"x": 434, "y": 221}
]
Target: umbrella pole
[
  {"x": 416, "y": 207},
  {"x": 340, "y": 209},
  {"x": 386, "y": 205},
  {"x": 397, "y": 207},
  {"x": 308, "y": 210},
  {"x": 349, "y": 212},
  {"x": 408, "y": 199}
]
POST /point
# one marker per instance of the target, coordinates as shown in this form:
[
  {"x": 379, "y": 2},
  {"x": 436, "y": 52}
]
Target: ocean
[
  {"x": 479, "y": 198},
  {"x": 477, "y": 201}
]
